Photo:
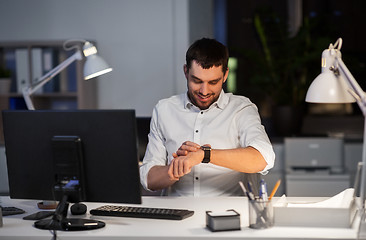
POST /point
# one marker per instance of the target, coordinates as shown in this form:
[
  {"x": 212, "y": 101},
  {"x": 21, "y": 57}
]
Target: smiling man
[{"x": 202, "y": 142}]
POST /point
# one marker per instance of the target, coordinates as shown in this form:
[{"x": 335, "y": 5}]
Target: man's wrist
[{"x": 207, "y": 154}]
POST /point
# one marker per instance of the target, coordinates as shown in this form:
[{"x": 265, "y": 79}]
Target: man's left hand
[{"x": 185, "y": 148}]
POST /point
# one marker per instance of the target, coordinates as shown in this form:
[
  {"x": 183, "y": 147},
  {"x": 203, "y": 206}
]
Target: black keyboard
[
  {"x": 142, "y": 212},
  {"x": 6, "y": 211}
]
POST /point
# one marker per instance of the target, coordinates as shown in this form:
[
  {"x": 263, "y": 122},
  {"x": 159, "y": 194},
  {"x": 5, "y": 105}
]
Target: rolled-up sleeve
[
  {"x": 252, "y": 133},
  {"x": 156, "y": 153}
]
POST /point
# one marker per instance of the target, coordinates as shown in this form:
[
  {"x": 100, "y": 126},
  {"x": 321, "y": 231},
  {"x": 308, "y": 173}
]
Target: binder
[
  {"x": 49, "y": 62},
  {"x": 22, "y": 68},
  {"x": 11, "y": 65},
  {"x": 37, "y": 69},
  {"x": 62, "y": 81},
  {"x": 71, "y": 75}
]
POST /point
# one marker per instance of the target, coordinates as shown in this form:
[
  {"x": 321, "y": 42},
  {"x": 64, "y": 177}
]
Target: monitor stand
[{"x": 60, "y": 222}]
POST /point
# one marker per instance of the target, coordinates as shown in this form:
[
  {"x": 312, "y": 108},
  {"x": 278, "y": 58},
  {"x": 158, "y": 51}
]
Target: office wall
[
  {"x": 201, "y": 19},
  {"x": 143, "y": 40}
]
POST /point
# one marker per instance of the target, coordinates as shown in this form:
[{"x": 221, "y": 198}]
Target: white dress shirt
[{"x": 231, "y": 122}]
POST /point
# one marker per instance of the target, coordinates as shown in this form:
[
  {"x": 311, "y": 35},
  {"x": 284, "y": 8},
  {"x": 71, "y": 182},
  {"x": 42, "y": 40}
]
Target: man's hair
[{"x": 208, "y": 53}]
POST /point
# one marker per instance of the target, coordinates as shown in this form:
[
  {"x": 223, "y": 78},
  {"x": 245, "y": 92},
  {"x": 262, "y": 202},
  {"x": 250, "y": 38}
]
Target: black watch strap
[{"x": 207, "y": 156}]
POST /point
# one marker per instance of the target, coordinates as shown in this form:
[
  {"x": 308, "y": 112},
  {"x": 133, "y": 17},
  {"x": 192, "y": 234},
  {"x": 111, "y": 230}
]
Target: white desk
[{"x": 191, "y": 228}]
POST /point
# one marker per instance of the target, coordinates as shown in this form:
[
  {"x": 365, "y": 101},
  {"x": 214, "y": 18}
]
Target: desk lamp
[
  {"x": 336, "y": 84},
  {"x": 94, "y": 66}
]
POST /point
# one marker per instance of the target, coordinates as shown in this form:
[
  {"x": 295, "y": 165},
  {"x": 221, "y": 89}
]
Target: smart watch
[{"x": 207, "y": 156}]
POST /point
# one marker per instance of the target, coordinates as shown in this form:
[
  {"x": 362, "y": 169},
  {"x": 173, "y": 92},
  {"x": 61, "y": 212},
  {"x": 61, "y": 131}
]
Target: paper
[
  {"x": 341, "y": 200},
  {"x": 227, "y": 213}
]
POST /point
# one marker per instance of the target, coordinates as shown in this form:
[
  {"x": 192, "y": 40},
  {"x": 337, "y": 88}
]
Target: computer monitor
[{"x": 72, "y": 156}]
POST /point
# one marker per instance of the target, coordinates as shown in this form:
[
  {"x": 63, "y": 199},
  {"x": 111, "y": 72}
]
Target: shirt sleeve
[
  {"x": 156, "y": 153},
  {"x": 252, "y": 133}
]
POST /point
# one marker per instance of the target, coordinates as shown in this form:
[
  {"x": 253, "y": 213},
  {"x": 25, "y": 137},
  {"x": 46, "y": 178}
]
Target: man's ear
[
  {"x": 226, "y": 74},
  {"x": 185, "y": 70}
]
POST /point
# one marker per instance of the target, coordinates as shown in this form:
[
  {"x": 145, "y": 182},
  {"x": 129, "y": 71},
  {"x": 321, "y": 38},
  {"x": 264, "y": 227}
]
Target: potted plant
[
  {"x": 284, "y": 68},
  {"x": 5, "y": 80}
]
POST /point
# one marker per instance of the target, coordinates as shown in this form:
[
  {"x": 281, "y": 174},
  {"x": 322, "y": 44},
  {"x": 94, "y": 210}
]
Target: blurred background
[{"x": 275, "y": 48}]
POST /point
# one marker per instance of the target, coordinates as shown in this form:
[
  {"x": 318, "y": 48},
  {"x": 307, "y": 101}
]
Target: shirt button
[
  {"x": 201, "y": 112},
  {"x": 197, "y": 178},
  {"x": 196, "y": 131}
]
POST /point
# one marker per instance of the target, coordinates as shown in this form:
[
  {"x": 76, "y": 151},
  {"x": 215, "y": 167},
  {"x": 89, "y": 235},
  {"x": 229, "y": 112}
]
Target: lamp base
[{"x": 69, "y": 224}]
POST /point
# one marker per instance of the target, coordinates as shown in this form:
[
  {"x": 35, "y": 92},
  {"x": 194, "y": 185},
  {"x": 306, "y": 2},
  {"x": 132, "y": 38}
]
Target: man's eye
[{"x": 213, "y": 82}]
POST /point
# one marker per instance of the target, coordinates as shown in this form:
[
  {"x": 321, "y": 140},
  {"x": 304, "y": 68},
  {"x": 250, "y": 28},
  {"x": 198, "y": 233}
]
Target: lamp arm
[
  {"x": 357, "y": 90},
  {"x": 28, "y": 91}
]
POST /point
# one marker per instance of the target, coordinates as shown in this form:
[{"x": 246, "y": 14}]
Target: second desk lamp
[
  {"x": 94, "y": 66},
  {"x": 336, "y": 84}
]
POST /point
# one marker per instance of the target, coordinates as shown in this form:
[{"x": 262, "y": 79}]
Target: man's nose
[{"x": 204, "y": 89}]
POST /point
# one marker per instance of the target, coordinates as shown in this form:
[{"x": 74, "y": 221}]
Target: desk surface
[{"x": 191, "y": 228}]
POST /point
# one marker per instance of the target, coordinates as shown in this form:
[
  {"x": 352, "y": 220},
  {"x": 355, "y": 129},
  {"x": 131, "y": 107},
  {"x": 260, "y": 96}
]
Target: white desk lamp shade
[
  {"x": 95, "y": 66},
  {"x": 329, "y": 87}
]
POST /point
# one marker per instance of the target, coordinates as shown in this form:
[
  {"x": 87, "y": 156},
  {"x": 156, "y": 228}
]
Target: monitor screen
[{"x": 97, "y": 149}]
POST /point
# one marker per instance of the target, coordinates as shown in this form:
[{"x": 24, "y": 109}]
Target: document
[{"x": 341, "y": 200}]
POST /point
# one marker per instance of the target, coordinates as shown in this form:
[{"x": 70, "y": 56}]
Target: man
[{"x": 201, "y": 142}]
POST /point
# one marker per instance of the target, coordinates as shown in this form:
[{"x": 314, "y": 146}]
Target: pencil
[{"x": 275, "y": 189}]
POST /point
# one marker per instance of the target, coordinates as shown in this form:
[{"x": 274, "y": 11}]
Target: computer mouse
[{"x": 78, "y": 209}]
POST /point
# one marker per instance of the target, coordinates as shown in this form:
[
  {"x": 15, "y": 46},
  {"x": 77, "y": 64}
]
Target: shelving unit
[{"x": 82, "y": 96}]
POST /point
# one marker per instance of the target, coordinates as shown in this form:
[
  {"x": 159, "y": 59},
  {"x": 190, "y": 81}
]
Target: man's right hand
[
  {"x": 188, "y": 155},
  {"x": 182, "y": 165},
  {"x": 175, "y": 172}
]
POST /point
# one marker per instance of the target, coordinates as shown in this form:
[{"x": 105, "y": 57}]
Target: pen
[
  {"x": 250, "y": 188},
  {"x": 263, "y": 191},
  {"x": 275, "y": 189},
  {"x": 249, "y": 195}
]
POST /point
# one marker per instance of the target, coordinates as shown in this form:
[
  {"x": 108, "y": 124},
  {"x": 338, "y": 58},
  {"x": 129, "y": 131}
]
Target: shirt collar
[
  {"x": 223, "y": 100},
  {"x": 220, "y": 103}
]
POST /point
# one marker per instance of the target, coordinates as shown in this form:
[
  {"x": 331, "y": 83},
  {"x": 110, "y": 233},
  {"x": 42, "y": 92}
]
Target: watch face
[{"x": 207, "y": 151}]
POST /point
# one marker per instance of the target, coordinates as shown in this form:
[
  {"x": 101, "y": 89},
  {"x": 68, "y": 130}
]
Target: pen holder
[{"x": 260, "y": 214}]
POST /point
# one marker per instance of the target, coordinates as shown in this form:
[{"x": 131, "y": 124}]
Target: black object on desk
[
  {"x": 39, "y": 215},
  {"x": 142, "y": 212},
  {"x": 7, "y": 211},
  {"x": 225, "y": 221},
  {"x": 78, "y": 209}
]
